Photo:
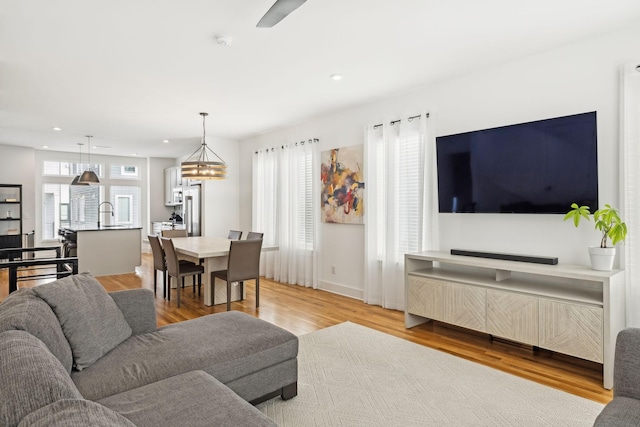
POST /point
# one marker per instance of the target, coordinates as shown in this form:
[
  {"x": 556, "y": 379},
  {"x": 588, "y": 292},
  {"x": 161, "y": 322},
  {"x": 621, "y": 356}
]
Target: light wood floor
[{"x": 302, "y": 310}]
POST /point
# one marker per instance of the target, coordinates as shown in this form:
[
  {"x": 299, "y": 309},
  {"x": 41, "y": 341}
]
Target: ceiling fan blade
[{"x": 279, "y": 11}]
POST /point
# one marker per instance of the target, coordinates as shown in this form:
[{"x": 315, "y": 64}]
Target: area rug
[{"x": 350, "y": 375}]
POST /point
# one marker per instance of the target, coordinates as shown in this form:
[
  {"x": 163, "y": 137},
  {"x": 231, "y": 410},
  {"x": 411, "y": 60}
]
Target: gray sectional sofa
[
  {"x": 624, "y": 409},
  {"x": 72, "y": 354}
]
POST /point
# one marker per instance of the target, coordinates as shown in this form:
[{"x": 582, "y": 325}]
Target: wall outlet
[{"x": 333, "y": 269}]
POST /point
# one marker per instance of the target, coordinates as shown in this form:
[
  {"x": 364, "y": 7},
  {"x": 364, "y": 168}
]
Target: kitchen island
[{"x": 107, "y": 249}]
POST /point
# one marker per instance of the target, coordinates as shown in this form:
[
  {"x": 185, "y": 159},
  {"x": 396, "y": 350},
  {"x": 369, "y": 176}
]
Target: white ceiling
[{"x": 135, "y": 72}]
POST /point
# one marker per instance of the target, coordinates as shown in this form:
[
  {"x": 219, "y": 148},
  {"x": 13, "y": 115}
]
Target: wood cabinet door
[
  {"x": 512, "y": 316},
  {"x": 465, "y": 306},
  {"x": 424, "y": 297},
  {"x": 573, "y": 329}
]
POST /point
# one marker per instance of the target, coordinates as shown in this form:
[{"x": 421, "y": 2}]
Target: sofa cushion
[
  {"x": 74, "y": 413},
  {"x": 90, "y": 319},
  {"x": 30, "y": 377},
  {"x": 192, "y": 399},
  {"x": 24, "y": 310},
  {"x": 620, "y": 412},
  {"x": 227, "y": 345}
]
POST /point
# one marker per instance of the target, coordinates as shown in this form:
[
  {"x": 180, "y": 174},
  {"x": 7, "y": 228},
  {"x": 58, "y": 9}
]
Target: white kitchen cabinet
[{"x": 172, "y": 182}]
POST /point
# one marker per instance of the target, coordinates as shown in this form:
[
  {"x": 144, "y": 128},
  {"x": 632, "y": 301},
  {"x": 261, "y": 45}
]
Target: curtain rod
[
  {"x": 310, "y": 141},
  {"x": 398, "y": 121}
]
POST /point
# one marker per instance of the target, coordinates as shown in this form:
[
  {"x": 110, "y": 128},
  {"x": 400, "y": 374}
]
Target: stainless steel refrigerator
[{"x": 192, "y": 209}]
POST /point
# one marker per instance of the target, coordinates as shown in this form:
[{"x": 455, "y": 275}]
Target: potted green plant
[{"x": 608, "y": 222}]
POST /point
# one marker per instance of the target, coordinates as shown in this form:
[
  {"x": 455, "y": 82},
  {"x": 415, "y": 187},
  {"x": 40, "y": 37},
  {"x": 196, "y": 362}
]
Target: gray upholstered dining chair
[
  {"x": 243, "y": 264},
  {"x": 175, "y": 233},
  {"x": 252, "y": 235},
  {"x": 180, "y": 270},
  {"x": 159, "y": 263},
  {"x": 234, "y": 235}
]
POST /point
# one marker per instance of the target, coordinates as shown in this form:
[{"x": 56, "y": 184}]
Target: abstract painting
[{"x": 342, "y": 190}]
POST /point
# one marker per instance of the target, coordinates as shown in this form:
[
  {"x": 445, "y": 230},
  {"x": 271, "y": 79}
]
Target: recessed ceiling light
[
  {"x": 45, "y": 146},
  {"x": 57, "y": 128},
  {"x": 134, "y": 154},
  {"x": 223, "y": 40},
  {"x": 336, "y": 76},
  {"x": 166, "y": 141}
]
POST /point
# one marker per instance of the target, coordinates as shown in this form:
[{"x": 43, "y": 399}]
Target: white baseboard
[{"x": 339, "y": 289}]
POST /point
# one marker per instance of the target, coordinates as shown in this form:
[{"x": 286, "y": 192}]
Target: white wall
[
  {"x": 221, "y": 207},
  {"x": 157, "y": 210},
  {"x": 17, "y": 165},
  {"x": 571, "y": 79}
]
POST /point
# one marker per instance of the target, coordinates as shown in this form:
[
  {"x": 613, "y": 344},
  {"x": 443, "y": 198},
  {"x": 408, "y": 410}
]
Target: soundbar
[{"x": 507, "y": 257}]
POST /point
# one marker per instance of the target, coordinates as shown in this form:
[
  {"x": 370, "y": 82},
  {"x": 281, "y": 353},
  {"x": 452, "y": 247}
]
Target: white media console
[{"x": 569, "y": 309}]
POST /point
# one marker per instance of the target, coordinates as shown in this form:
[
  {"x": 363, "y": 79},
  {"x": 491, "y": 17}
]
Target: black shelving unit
[{"x": 10, "y": 216}]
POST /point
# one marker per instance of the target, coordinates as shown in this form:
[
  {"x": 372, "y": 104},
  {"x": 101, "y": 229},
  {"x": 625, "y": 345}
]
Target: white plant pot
[{"x": 602, "y": 258}]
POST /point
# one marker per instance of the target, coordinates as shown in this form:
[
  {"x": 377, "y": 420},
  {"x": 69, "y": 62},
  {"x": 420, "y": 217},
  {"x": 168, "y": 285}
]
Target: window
[
  {"x": 124, "y": 172},
  {"x": 265, "y": 198},
  {"x": 64, "y": 204},
  {"x": 277, "y": 203},
  {"x": 56, "y": 168},
  {"x": 284, "y": 209},
  {"x": 126, "y": 204},
  {"x": 305, "y": 209},
  {"x": 53, "y": 195},
  {"x": 123, "y": 207},
  {"x": 401, "y": 218},
  {"x": 408, "y": 188}
]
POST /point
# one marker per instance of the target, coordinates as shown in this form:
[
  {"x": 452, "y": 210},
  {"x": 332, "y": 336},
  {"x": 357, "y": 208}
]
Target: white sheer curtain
[
  {"x": 285, "y": 209},
  {"x": 630, "y": 183},
  {"x": 402, "y": 204}
]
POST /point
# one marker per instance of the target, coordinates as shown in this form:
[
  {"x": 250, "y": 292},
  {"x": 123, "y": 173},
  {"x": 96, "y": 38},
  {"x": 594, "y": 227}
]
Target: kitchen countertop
[{"x": 94, "y": 227}]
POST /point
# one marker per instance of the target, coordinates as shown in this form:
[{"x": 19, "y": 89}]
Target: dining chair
[
  {"x": 252, "y": 235},
  {"x": 180, "y": 270},
  {"x": 234, "y": 235},
  {"x": 159, "y": 263},
  {"x": 175, "y": 233},
  {"x": 243, "y": 264}
]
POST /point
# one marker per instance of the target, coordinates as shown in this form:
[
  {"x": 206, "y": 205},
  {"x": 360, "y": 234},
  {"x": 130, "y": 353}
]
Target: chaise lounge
[{"x": 74, "y": 353}]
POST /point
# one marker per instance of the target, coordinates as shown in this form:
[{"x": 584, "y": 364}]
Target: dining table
[{"x": 213, "y": 254}]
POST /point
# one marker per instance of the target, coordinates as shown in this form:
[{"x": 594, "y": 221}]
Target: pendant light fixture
[
  {"x": 199, "y": 166},
  {"x": 89, "y": 176},
  {"x": 77, "y": 177}
]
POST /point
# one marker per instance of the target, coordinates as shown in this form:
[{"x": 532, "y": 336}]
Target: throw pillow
[
  {"x": 90, "y": 319},
  {"x": 73, "y": 413},
  {"x": 30, "y": 377},
  {"x": 23, "y": 310}
]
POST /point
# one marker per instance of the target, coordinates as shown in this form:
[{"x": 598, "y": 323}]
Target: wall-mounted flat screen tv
[{"x": 536, "y": 167}]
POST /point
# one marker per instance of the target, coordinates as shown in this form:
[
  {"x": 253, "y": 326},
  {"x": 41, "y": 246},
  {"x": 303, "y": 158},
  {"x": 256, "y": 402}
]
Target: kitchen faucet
[{"x": 99, "y": 211}]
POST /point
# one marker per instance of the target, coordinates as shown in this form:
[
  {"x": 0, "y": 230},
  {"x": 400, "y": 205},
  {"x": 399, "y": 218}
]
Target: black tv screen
[{"x": 535, "y": 167}]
